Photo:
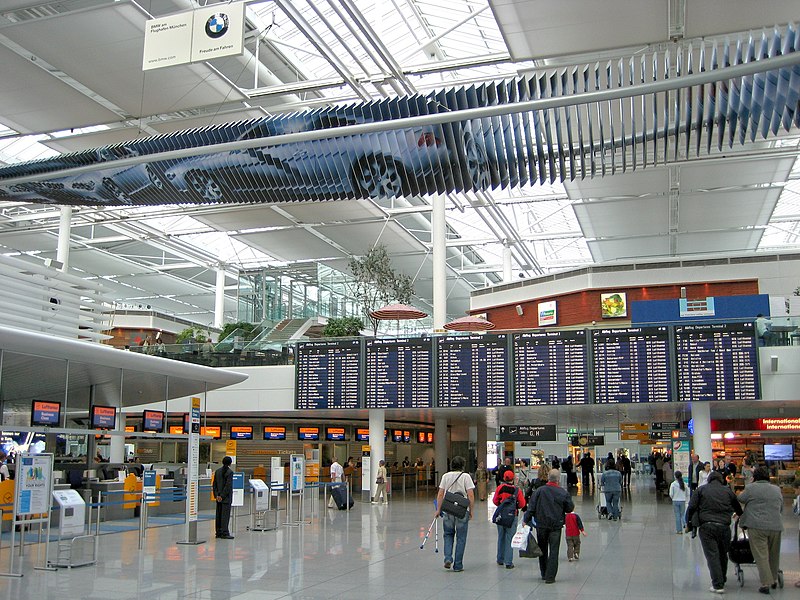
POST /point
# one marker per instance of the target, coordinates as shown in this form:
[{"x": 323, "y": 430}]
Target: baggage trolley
[{"x": 740, "y": 554}]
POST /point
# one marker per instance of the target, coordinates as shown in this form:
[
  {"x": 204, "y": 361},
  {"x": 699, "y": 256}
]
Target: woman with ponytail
[{"x": 679, "y": 492}]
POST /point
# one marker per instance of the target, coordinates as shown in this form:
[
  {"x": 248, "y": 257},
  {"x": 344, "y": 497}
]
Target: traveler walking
[
  {"x": 611, "y": 483},
  {"x": 455, "y": 529},
  {"x": 506, "y": 496},
  {"x": 679, "y": 493},
  {"x": 763, "y": 505}
]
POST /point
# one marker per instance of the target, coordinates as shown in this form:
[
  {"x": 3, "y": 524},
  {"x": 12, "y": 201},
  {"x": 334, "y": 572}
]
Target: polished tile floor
[{"x": 373, "y": 552}]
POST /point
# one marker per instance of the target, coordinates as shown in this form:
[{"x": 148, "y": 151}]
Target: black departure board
[
  {"x": 717, "y": 361},
  {"x": 550, "y": 367},
  {"x": 399, "y": 373},
  {"x": 471, "y": 371},
  {"x": 327, "y": 374},
  {"x": 631, "y": 365}
]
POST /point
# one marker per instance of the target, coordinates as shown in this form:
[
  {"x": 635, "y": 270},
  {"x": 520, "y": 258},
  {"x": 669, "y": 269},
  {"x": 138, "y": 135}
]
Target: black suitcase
[
  {"x": 739, "y": 551},
  {"x": 341, "y": 498}
]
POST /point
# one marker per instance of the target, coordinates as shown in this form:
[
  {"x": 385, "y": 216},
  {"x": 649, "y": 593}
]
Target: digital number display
[
  {"x": 717, "y": 362},
  {"x": 471, "y": 371},
  {"x": 399, "y": 373},
  {"x": 328, "y": 375},
  {"x": 631, "y": 365},
  {"x": 550, "y": 368}
]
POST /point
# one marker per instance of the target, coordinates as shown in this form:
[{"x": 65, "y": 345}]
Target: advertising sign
[
  {"x": 167, "y": 41},
  {"x": 34, "y": 482},
  {"x": 297, "y": 469},
  {"x": 681, "y": 455},
  {"x": 238, "y": 489},
  {"x": 547, "y": 313},
  {"x": 218, "y": 30},
  {"x": 613, "y": 305},
  {"x": 193, "y": 466}
]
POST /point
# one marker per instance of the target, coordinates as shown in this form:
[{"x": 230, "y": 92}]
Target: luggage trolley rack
[{"x": 262, "y": 516}]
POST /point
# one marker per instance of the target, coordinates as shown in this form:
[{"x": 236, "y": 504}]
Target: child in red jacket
[{"x": 573, "y": 530}]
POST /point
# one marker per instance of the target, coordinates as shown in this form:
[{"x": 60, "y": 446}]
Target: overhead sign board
[
  {"x": 526, "y": 433},
  {"x": 587, "y": 440},
  {"x": 665, "y": 426}
]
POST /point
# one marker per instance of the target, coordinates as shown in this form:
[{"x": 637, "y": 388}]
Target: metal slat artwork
[{"x": 620, "y": 114}]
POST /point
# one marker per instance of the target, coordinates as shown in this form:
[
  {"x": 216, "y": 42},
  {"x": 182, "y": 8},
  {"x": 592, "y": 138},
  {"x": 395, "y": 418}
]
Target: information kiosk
[{"x": 74, "y": 548}]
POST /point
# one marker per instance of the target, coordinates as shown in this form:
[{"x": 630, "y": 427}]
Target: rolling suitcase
[{"x": 341, "y": 498}]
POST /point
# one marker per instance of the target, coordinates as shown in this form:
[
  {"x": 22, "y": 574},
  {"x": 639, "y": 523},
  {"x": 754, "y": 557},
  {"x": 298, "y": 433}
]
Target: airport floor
[{"x": 373, "y": 552}]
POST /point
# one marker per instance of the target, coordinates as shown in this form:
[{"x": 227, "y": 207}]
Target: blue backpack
[{"x": 506, "y": 511}]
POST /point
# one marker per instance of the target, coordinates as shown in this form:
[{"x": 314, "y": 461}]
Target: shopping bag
[
  {"x": 533, "y": 550},
  {"x": 520, "y": 539}
]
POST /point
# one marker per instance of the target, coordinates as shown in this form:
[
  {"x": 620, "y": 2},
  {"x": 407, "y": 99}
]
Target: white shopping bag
[{"x": 520, "y": 539}]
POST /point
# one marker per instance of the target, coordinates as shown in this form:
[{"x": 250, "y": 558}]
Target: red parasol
[
  {"x": 396, "y": 312},
  {"x": 470, "y": 323}
]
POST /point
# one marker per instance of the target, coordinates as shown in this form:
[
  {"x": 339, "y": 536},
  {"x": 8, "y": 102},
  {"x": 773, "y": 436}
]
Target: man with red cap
[{"x": 507, "y": 489}]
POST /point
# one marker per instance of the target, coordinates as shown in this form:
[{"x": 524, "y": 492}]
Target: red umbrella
[
  {"x": 396, "y": 312},
  {"x": 470, "y": 323}
]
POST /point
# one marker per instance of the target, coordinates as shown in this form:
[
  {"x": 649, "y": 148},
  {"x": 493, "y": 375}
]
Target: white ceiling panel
[
  {"x": 168, "y": 286},
  {"x": 214, "y": 118},
  {"x": 640, "y": 216},
  {"x": 107, "y": 58},
  {"x": 100, "y": 263},
  {"x": 636, "y": 183},
  {"x": 555, "y": 28},
  {"x": 246, "y": 217},
  {"x": 718, "y": 241},
  {"x": 28, "y": 242},
  {"x": 358, "y": 238},
  {"x": 722, "y": 210},
  {"x": 628, "y": 248},
  {"x": 710, "y": 17},
  {"x": 324, "y": 212},
  {"x": 290, "y": 244},
  {"x": 96, "y": 139},
  {"x": 703, "y": 176},
  {"x": 33, "y": 100}
]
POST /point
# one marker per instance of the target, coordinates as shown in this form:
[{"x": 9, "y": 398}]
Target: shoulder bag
[{"x": 455, "y": 503}]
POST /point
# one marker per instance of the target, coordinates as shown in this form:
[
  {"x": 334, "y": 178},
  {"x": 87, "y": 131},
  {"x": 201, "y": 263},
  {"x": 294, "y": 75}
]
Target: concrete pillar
[
  {"x": 439, "y": 236},
  {"x": 219, "y": 299},
  {"x": 377, "y": 451},
  {"x": 64, "y": 227},
  {"x": 507, "y": 272},
  {"x": 117, "y": 447},
  {"x": 701, "y": 439},
  {"x": 480, "y": 444},
  {"x": 440, "y": 447}
]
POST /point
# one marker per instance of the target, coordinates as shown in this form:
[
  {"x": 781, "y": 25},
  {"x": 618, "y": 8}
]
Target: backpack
[{"x": 506, "y": 511}]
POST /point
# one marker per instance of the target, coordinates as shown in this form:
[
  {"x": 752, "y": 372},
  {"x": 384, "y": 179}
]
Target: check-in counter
[{"x": 112, "y": 498}]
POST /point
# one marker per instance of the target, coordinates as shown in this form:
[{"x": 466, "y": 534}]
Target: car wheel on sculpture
[
  {"x": 155, "y": 179},
  {"x": 117, "y": 193},
  {"x": 378, "y": 176},
  {"x": 205, "y": 187},
  {"x": 477, "y": 162}
]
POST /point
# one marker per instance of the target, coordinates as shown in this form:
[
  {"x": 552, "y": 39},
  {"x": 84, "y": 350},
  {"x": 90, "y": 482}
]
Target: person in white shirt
[
  {"x": 702, "y": 478},
  {"x": 4, "y": 474},
  {"x": 679, "y": 493},
  {"x": 337, "y": 475}
]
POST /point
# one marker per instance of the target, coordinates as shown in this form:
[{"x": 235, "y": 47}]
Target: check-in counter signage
[
  {"x": 308, "y": 433},
  {"x": 130, "y": 429},
  {"x": 213, "y": 432},
  {"x": 176, "y": 429},
  {"x": 362, "y": 435},
  {"x": 241, "y": 432},
  {"x": 274, "y": 433},
  {"x": 424, "y": 437},
  {"x": 336, "y": 434},
  {"x": 103, "y": 417}
]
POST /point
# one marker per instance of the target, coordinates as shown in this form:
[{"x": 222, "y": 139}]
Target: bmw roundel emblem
[{"x": 217, "y": 25}]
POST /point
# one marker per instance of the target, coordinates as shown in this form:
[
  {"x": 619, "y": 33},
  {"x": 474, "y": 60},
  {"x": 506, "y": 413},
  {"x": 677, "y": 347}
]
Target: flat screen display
[
  {"x": 399, "y": 373},
  {"x": 397, "y": 436},
  {"x": 472, "y": 371},
  {"x": 241, "y": 432},
  {"x": 631, "y": 365},
  {"x": 362, "y": 435},
  {"x": 45, "y": 413},
  {"x": 274, "y": 433},
  {"x": 335, "y": 434},
  {"x": 406, "y": 437},
  {"x": 550, "y": 368},
  {"x": 308, "y": 433},
  {"x": 153, "y": 420},
  {"x": 778, "y": 452},
  {"x": 176, "y": 429},
  {"x": 103, "y": 417},
  {"x": 212, "y": 432},
  {"x": 717, "y": 361},
  {"x": 327, "y": 375}
]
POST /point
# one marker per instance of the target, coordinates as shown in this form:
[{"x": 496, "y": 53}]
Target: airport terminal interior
[{"x": 302, "y": 233}]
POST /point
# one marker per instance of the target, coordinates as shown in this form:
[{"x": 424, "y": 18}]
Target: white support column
[
  {"x": 701, "y": 439},
  {"x": 219, "y": 299},
  {"x": 117, "y": 445},
  {"x": 64, "y": 227},
  {"x": 440, "y": 446},
  {"x": 480, "y": 444},
  {"x": 507, "y": 272},
  {"x": 439, "y": 235},
  {"x": 377, "y": 423}
]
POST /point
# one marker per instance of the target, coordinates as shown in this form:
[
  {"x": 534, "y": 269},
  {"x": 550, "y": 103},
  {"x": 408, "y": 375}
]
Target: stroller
[{"x": 740, "y": 554}]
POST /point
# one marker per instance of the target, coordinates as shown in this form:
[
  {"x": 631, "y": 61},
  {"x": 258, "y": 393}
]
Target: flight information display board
[
  {"x": 399, "y": 373},
  {"x": 327, "y": 375},
  {"x": 717, "y": 362},
  {"x": 631, "y": 365},
  {"x": 471, "y": 371},
  {"x": 550, "y": 367}
]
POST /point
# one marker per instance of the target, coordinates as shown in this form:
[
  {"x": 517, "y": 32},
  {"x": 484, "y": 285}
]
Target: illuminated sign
[
  {"x": 362, "y": 435},
  {"x": 241, "y": 432},
  {"x": 214, "y": 432},
  {"x": 45, "y": 413},
  {"x": 274, "y": 433},
  {"x": 308, "y": 433},
  {"x": 153, "y": 420},
  {"x": 335, "y": 434},
  {"x": 779, "y": 424},
  {"x": 103, "y": 417},
  {"x": 129, "y": 428},
  {"x": 176, "y": 429}
]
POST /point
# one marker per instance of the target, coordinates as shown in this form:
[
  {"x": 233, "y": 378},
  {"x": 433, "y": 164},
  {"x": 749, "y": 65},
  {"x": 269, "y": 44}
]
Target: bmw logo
[{"x": 217, "y": 25}]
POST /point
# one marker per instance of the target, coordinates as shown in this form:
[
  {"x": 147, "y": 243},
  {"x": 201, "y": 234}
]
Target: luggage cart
[{"x": 740, "y": 554}]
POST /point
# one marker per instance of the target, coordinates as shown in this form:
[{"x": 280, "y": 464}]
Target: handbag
[
  {"x": 379, "y": 480},
  {"x": 520, "y": 539},
  {"x": 533, "y": 550},
  {"x": 453, "y": 503}
]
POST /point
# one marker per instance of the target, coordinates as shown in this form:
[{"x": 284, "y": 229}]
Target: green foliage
[
  {"x": 375, "y": 283},
  {"x": 229, "y": 328},
  {"x": 199, "y": 336},
  {"x": 344, "y": 327}
]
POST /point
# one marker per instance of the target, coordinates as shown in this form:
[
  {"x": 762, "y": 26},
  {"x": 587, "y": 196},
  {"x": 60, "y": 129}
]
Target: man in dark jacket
[
  {"x": 714, "y": 504},
  {"x": 694, "y": 472},
  {"x": 547, "y": 508},
  {"x": 587, "y": 470},
  {"x": 223, "y": 493},
  {"x": 499, "y": 475}
]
